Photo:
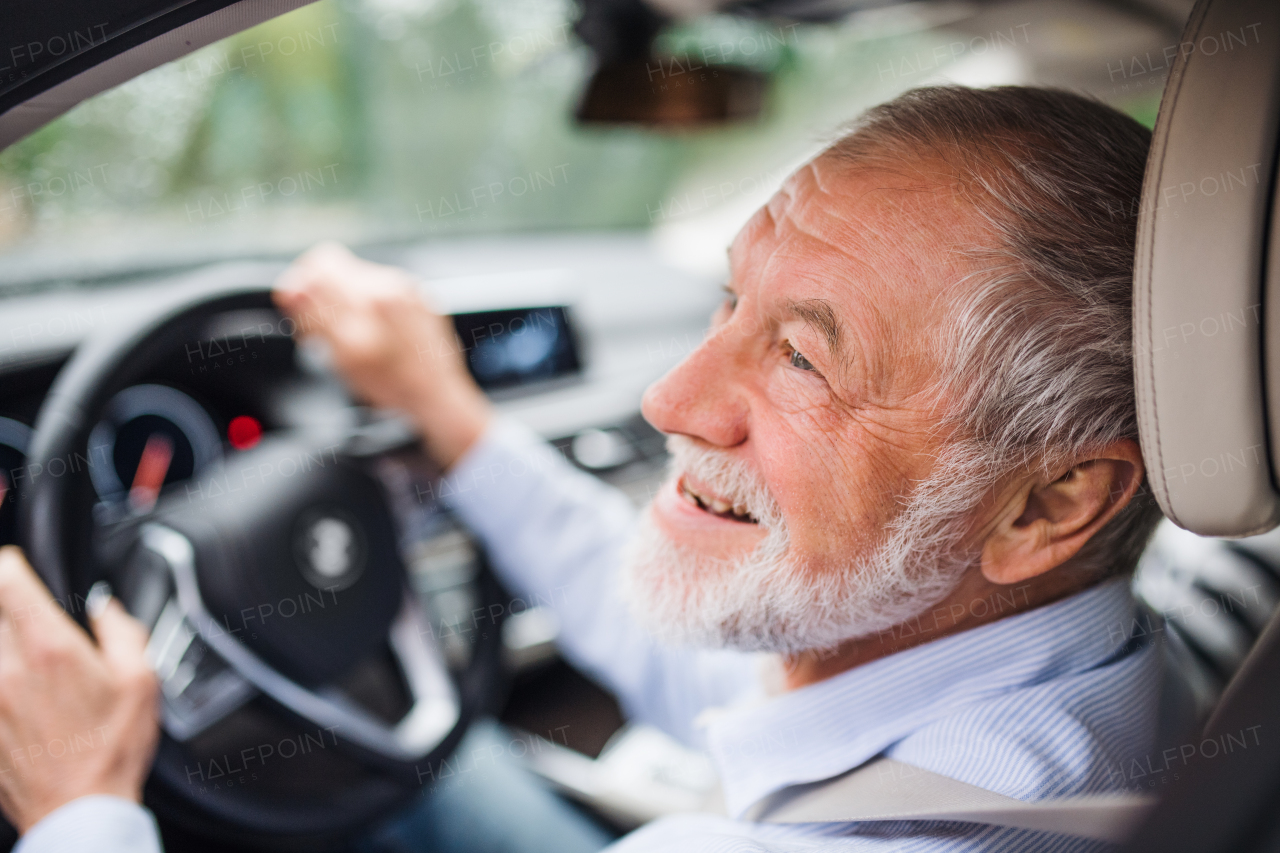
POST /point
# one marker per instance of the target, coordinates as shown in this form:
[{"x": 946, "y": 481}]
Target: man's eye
[{"x": 798, "y": 360}]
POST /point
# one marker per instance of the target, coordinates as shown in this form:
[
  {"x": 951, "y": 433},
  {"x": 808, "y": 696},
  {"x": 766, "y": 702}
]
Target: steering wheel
[{"x": 290, "y": 732}]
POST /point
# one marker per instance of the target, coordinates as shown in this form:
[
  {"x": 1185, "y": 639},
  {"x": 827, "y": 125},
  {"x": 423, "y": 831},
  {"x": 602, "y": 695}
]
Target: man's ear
[{"x": 1044, "y": 524}]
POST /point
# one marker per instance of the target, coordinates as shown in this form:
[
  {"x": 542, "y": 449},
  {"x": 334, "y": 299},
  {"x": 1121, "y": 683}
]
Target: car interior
[{"x": 563, "y": 178}]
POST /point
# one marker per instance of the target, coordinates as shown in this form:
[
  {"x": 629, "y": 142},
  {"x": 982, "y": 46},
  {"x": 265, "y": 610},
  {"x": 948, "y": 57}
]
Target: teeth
[{"x": 718, "y": 506}]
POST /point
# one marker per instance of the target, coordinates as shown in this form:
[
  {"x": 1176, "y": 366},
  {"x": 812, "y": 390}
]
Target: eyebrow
[{"x": 819, "y": 314}]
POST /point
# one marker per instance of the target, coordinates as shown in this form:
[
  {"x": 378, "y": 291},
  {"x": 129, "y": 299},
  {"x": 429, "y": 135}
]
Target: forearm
[
  {"x": 553, "y": 533},
  {"x": 451, "y": 414}
]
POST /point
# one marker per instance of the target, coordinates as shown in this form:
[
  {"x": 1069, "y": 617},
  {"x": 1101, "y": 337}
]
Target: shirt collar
[{"x": 825, "y": 729}]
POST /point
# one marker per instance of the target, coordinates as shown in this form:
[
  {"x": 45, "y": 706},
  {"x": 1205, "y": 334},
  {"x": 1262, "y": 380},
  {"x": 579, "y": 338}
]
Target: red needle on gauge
[{"x": 152, "y": 468}]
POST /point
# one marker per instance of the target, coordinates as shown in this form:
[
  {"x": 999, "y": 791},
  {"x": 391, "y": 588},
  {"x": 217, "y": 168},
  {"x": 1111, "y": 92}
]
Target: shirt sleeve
[
  {"x": 98, "y": 823},
  {"x": 555, "y": 536}
]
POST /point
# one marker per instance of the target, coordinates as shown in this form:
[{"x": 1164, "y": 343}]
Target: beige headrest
[{"x": 1206, "y": 394}]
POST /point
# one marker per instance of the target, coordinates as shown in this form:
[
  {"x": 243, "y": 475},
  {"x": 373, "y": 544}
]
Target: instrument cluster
[{"x": 243, "y": 377}]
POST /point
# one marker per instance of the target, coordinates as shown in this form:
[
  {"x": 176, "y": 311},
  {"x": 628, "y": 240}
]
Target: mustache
[{"x": 731, "y": 478}]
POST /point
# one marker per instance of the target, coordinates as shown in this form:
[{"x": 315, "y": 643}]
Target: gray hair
[{"x": 1039, "y": 349}]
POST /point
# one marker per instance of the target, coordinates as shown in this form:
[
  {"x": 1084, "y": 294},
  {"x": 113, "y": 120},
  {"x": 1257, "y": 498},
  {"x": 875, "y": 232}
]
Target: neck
[{"x": 975, "y": 601}]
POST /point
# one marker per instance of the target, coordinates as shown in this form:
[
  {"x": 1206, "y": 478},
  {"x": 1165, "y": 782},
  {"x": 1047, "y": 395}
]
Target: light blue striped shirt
[{"x": 1051, "y": 702}]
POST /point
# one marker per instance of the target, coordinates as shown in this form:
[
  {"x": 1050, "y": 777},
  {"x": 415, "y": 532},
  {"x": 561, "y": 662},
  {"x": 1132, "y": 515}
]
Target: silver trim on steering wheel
[{"x": 185, "y": 622}]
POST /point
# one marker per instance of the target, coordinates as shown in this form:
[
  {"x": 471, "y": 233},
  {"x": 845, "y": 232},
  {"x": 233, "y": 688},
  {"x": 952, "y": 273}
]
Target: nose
[{"x": 702, "y": 397}]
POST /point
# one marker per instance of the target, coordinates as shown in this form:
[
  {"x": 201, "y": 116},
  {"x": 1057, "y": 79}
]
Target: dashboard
[
  {"x": 243, "y": 378},
  {"x": 563, "y": 333}
]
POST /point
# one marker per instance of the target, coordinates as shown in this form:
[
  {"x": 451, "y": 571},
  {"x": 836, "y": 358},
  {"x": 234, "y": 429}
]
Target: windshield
[{"x": 400, "y": 121}]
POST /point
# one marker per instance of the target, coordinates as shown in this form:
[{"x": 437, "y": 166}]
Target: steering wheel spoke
[
  {"x": 198, "y": 687},
  {"x": 196, "y": 658}
]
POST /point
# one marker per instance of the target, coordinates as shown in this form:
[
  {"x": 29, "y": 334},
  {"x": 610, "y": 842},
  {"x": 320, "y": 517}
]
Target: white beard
[{"x": 768, "y": 600}]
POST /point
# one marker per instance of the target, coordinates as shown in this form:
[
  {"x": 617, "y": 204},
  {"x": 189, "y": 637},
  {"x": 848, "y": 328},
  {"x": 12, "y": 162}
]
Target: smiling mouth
[{"x": 715, "y": 505}]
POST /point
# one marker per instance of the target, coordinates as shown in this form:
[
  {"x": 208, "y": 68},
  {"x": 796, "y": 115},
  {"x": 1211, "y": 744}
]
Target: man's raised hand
[{"x": 392, "y": 350}]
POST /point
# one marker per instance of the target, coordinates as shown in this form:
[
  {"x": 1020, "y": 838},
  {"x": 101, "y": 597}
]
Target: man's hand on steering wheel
[
  {"x": 392, "y": 349},
  {"x": 75, "y": 718}
]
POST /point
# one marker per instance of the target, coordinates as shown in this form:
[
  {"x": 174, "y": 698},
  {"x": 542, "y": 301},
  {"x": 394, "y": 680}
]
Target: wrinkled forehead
[
  {"x": 902, "y": 211},
  {"x": 888, "y": 245}
]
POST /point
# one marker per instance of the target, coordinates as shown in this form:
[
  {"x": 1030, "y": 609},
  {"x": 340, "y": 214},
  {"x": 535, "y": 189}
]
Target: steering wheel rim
[{"x": 53, "y": 527}]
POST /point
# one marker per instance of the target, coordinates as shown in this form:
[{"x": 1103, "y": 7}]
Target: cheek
[{"x": 833, "y": 481}]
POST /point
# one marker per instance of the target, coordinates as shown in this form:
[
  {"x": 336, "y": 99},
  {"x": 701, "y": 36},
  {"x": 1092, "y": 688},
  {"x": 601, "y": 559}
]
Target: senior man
[{"x": 904, "y": 462}]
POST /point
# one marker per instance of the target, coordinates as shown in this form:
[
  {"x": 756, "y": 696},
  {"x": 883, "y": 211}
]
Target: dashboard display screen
[{"x": 511, "y": 348}]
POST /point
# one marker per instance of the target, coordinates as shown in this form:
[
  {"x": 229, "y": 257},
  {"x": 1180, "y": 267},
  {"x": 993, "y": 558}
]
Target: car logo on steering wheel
[{"x": 329, "y": 548}]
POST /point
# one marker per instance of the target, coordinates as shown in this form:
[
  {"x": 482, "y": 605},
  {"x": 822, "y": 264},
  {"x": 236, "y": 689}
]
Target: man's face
[{"x": 811, "y": 403}]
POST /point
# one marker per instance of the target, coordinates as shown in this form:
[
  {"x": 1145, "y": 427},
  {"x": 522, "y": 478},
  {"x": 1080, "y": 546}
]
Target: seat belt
[{"x": 885, "y": 789}]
